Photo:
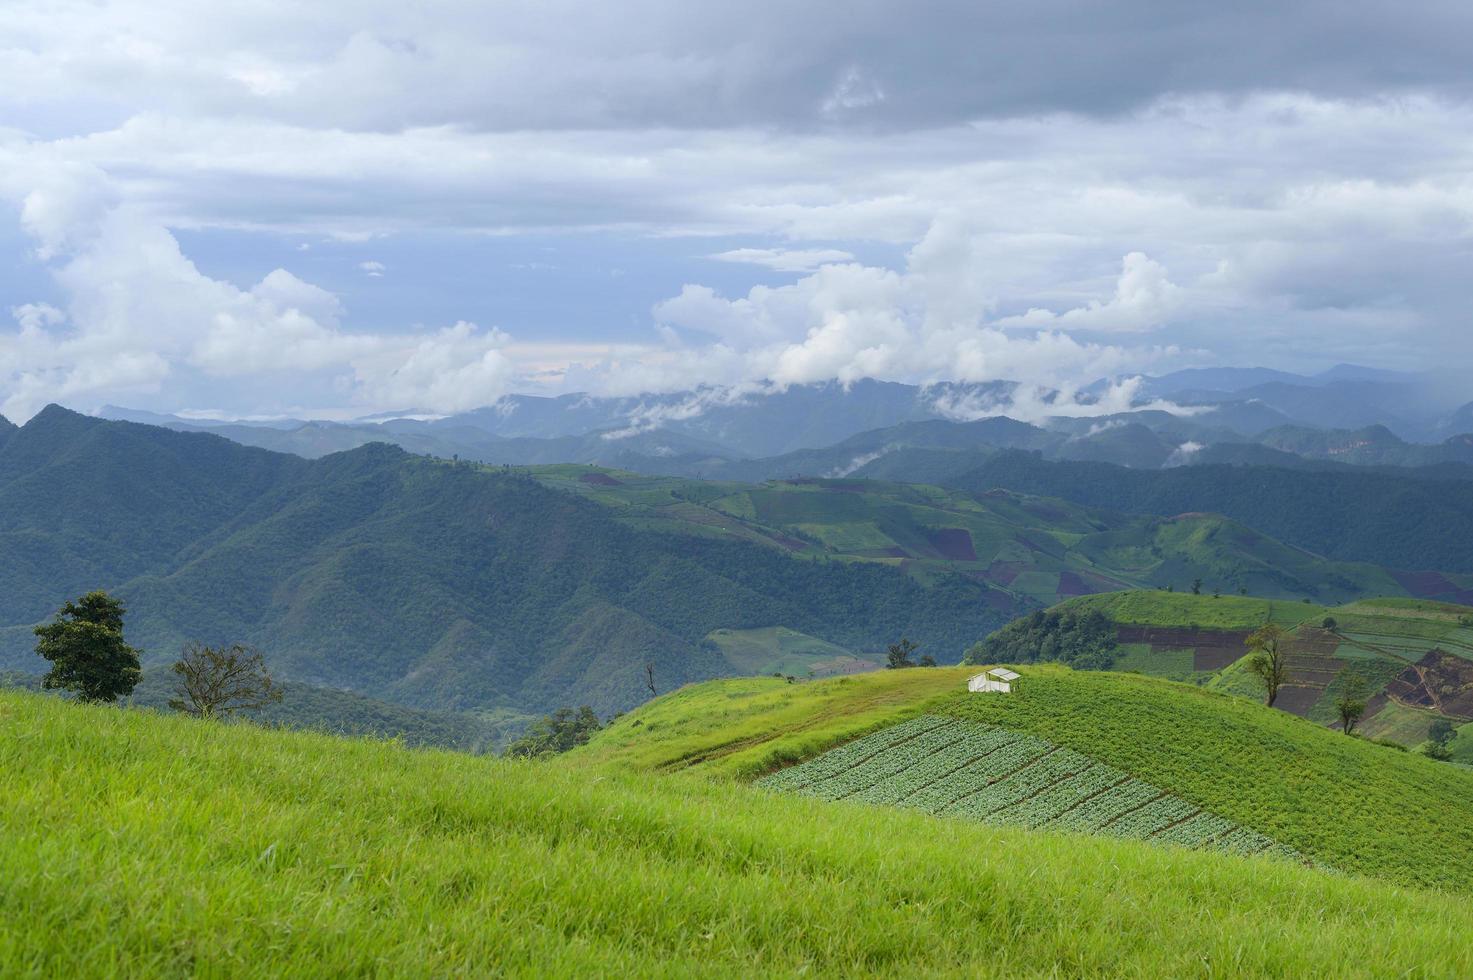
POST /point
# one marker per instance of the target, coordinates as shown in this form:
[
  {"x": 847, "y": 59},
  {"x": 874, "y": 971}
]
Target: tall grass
[{"x": 145, "y": 845}]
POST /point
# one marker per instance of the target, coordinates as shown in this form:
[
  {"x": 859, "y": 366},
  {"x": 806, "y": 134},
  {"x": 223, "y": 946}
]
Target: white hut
[{"x": 996, "y": 679}]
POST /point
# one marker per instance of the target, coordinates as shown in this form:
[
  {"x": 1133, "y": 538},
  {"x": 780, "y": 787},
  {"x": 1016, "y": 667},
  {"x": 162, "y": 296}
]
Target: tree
[
  {"x": 1351, "y": 704},
  {"x": 84, "y": 643},
  {"x": 649, "y": 679},
  {"x": 222, "y": 681},
  {"x": 560, "y": 731},
  {"x": 928, "y": 661},
  {"x": 1441, "y": 731},
  {"x": 1267, "y": 662},
  {"x": 898, "y": 655},
  {"x": 1196, "y": 586},
  {"x": 1435, "y": 750},
  {"x": 1329, "y": 624}
]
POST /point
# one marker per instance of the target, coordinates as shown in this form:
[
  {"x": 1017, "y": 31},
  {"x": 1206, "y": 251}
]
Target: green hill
[
  {"x": 1389, "y": 518},
  {"x": 249, "y": 852},
  {"x": 1029, "y": 550},
  {"x": 1350, "y": 804},
  {"x": 416, "y": 581},
  {"x": 1415, "y": 655}
]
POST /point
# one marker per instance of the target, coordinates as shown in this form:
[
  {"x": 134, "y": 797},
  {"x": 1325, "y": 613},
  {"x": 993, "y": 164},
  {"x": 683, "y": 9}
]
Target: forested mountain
[
  {"x": 1351, "y": 514},
  {"x": 414, "y": 580}
]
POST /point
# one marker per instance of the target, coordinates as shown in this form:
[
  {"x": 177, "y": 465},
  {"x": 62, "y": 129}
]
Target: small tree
[
  {"x": 222, "y": 681},
  {"x": 1441, "y": 731},
  {"x": 560, "y": 731},
  {"x": 1196, "y": 586},
  {"x": 1329, "y": 624},
  {"x": 898, "y": 654},
  {"x": 84, "y": 643},
  {"x": 1267, "y": 662},
  {"x": 1351, "y": 704}
]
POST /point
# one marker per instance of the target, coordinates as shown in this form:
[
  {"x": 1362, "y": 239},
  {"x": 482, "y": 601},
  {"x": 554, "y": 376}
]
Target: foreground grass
[{"x": 143, "y": 845}]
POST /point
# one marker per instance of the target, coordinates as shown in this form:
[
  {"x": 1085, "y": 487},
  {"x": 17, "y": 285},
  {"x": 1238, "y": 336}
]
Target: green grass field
[
  {"x": 149, "y": 845},
  {"x": 1343, "y": 801}
]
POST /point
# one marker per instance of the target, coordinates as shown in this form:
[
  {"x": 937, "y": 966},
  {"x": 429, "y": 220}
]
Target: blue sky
[{"x": 347, "y": 208}]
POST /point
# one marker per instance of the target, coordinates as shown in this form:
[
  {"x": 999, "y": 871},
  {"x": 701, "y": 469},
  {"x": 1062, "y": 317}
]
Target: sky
[{"x": 339, "y": 208}]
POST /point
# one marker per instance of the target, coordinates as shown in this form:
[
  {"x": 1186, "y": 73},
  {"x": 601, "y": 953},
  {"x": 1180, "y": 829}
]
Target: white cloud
[
  {"x": 1144, "y": 299},
  {"x": 372, "y": 268},
  {"x": 786, "y": 259},
  {"x": 139, "y": 312}
]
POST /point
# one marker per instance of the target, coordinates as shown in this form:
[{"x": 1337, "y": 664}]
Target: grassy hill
[
  {"x": 1351, "y": 804},
  {"x": 1415, "y": 655},
  {"x": 416, "y": 581},
  {"x": 255, "y": 852},
  {"x": 1029, "y": 550},
  {"x": 336, "y": 712}
]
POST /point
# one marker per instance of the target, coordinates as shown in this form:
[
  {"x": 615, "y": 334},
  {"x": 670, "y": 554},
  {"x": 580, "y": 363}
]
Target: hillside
[
  {"x": 411, "y": 580},
  {"x": 1416, "y": 656},
  {"x": 335, "y": 712},
  {"x": 1348, "y": 803},
  {"x": 253, "y": 852},
  {"x": 1028, "y": 550},
  {"x": 1346, "y": 514}
]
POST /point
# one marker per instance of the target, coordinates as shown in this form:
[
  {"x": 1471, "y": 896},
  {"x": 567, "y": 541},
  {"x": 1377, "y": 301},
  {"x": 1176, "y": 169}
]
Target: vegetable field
[{"x": 951, "y": 767}]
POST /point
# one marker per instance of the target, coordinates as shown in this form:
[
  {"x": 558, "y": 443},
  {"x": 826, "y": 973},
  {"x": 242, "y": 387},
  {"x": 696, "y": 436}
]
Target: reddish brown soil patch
[
  {"x": 1433, "y": 585},
  {"x": 1297, "y": 700},
  {"x": 1071, "y": 583},
  {"x": 600, "y": 480},
  {"x": 1212, "y": 649},
  {"x": 954, "y": 543},
  {"x": 1438, "y": 681}
]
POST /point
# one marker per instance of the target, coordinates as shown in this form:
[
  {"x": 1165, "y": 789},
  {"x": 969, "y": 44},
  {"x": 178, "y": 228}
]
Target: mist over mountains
[{"x": 1348, "y": 414}]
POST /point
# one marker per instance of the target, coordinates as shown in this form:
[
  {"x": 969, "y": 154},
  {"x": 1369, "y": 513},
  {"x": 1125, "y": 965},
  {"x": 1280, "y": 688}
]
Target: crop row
[
  {"x": 851, "y": 753},
  {"x": 959, "y": 768},
  {"x": 886, "y": 763}
]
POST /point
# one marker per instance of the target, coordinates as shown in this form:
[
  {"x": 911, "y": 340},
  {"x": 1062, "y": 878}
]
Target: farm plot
[{"x": 982, "y": 772}]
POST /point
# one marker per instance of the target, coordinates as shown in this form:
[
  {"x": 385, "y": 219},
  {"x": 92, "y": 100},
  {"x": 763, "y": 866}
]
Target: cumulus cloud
[
  {"x": 1144, "y": 299},
  {"x": 138, "y": 312},
  {"x": 372, "y": 268}
]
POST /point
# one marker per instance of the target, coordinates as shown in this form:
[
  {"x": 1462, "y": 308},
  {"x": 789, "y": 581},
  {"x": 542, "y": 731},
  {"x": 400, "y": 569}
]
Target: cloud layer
[{"x": 1048, "y": 192}]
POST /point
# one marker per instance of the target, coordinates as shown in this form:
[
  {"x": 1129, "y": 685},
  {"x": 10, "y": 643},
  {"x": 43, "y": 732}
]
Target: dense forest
[
  {"x": 1082, "y": 640},
  {"x": 417, "y": 581},
  {"x": 1373, "y": 516}
]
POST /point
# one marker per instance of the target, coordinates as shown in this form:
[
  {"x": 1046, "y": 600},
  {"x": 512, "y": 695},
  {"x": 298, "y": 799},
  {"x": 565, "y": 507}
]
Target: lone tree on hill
[
  {"x": 1351, "y": 704},
  {"x": 1268, "y": 663},
  {"x": 222, "y": 681},
  {"x": 84, "y": 644},
  {"x": 898, "y": 655},
  {"x": 558, "y": 732}
]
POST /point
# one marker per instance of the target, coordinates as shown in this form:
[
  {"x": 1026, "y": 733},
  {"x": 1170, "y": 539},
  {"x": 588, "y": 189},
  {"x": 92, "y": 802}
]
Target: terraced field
[
  {"x": 951, "y": 767},
  {"x": 1415, "y": 655}
]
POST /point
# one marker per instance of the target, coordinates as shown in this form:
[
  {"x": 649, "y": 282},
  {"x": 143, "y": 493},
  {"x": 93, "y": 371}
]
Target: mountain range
[{"x": 1350, "y": 415}]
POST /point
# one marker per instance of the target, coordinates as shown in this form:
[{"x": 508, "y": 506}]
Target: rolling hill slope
[
  {"x": 252, "y": 852},
  {"x": 1344, "y": 513},
  {"x": 1348, "y": 803},
  {"x": 1029, "y": 550}
]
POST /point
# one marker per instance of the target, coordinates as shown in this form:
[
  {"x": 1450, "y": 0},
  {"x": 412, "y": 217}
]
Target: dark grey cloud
[{"x": 550, "y": 64}]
